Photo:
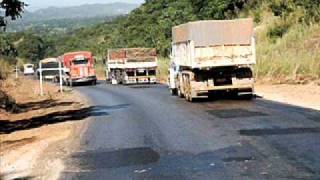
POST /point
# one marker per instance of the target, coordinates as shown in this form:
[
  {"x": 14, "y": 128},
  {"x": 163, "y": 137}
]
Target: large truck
[
  {"x": 79, "y": 68},
  {"x": 46, "y": 64},
  {"x": 210, "y": 56},
  {"x": 131, "y": 66}
]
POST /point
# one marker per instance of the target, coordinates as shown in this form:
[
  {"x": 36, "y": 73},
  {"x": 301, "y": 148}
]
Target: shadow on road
[
  {"x": 48, "y": 103},
  {"x": 7, "y": 127}
]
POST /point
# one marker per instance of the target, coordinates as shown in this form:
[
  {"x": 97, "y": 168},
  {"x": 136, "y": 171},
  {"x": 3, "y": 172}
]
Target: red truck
[{"x": 79, "y": 68}]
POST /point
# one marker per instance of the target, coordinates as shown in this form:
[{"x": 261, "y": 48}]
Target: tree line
[{"x": 150, "y": 26}]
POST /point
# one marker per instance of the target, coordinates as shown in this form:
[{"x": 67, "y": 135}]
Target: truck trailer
[
  {"x": 79, "y": 68},
  {"x": 131, "y": 66},
  {"x": 210, "y": 56}
]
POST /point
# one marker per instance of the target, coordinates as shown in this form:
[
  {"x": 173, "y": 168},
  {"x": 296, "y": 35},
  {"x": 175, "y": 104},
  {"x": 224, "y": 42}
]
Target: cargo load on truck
[
  {"x": 213, "y": 55},
  {"x": 80, "y": 68},
  {"x": 131, "y": 66}
]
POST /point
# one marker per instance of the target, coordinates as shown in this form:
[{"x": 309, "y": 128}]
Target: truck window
[
  {"x": 130, "y": 73},
  {"x": 29, "y": 66},
  {"x": 80, "y": 62},
  {"x": 152, "y": 72},
  {"x": 141, "y": 72}
]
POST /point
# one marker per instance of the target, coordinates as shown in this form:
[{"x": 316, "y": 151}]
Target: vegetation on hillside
[
  {"x": 286, "y": 32},
  {"x": 63, "y": 19}
]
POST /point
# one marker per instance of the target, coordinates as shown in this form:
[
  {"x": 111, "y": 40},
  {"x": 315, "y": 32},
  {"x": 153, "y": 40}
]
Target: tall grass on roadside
[
  {"x": 163, "y": 66},
  {"x": 5, "y": 69},
  {"x": 100, "y": 71},
  {"x": 294, "y": 56}
]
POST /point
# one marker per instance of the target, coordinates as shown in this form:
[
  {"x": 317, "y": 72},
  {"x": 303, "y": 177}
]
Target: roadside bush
[
  {"x": 5, "y": 68},
  {"x": 277, "y": 31},
  {"x": 163, "y": 66}
]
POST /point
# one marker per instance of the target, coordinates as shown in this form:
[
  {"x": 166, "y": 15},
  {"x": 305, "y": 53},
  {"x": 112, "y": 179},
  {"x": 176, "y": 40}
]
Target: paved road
[{"x": 141, "y": 132}]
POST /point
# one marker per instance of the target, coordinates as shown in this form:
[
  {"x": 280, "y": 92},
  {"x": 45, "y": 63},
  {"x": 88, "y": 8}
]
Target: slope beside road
[
  {"x": 307, "y": 96},
  {"x": 41, "y": 132}
]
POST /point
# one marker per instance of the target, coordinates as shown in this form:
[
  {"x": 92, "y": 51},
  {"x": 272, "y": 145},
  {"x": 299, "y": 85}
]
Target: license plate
[{"x": 221, "y": 80}]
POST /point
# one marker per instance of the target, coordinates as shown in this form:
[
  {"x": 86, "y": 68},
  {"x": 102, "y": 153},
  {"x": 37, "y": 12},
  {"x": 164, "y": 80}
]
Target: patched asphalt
[{"x": 142, "y": 132}]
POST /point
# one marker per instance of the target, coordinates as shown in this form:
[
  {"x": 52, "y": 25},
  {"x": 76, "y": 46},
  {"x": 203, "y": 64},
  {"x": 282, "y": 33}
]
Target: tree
[
  {"x": 32, "y": 48},
  {"x": 6, "y": 48},
  {"x": 12, "y": 9}
]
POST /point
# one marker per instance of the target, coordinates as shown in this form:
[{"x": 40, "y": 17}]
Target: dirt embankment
[
  {"x": 307, "y": 95},
  {"x": 37, "y": 137}
]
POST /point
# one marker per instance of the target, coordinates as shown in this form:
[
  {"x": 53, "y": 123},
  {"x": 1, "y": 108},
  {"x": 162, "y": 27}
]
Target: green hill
[
  {"x": 287, "y": 32},
  {"x": 69, "y": 18}
]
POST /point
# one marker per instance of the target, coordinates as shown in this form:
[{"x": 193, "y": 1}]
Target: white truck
[
  {"x": 210, "y": 56},
  {"x": 131, "y": 66}
]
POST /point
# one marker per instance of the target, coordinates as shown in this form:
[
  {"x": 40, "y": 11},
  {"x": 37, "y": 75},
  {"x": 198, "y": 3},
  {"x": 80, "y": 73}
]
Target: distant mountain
[{"x": 75, "y": 16}]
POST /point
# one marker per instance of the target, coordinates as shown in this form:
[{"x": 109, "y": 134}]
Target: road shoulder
[
  {"x": 43, "y": 133},
  {"x": 307, "y": 96}
]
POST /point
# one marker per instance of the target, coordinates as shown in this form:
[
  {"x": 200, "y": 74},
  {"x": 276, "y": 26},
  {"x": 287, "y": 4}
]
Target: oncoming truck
[
  {"x": 210, "y": 56},
  {"x": 79, "y": 68},
  {"x": 46, "y": 66},
  {"x": 131, "y": 66}
]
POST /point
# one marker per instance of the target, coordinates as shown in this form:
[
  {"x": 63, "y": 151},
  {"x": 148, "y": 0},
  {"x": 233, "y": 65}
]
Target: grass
[
  {"x": 295, "y": 56},
  {"x": 5, "y": 69},
  {"x": 100, "y": 70},
  {"x": 163, "y": 66}
]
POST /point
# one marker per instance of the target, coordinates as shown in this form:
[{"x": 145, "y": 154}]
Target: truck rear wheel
[
  {"x": 173, "y": 92},
  {"x": 188, "y": 95},
  {"x": 179, "y": 93},
  {"x": 247, "y": 95}
]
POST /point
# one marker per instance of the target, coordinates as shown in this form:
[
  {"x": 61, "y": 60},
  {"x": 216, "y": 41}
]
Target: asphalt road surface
[{"x": 142, "y": 132}]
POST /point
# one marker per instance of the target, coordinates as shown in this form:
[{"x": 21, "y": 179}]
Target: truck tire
[
  {"x": 188, "y": 95},
  {"x": 179, "y": 93},
  {"x": 249, "y": 96},
  {"x": 173, "y": 92}
]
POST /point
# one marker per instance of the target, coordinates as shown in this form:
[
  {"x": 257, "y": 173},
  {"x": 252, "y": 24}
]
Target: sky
[{"x": 39, "y": 4}]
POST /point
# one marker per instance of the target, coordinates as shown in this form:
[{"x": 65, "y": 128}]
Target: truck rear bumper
[
  {"x": 84, "y": 80},
  {"x": 203, "y": 89},
  {"x": 141, "y": 80}
]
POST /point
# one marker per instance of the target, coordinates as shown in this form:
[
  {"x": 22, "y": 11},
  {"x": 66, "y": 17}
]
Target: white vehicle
[
  {"x": 209, "y": 56},
  {"x": 50, "y": 70},
  {"x": 131, "y": 66},
  {"x": 28, "y": 69}
]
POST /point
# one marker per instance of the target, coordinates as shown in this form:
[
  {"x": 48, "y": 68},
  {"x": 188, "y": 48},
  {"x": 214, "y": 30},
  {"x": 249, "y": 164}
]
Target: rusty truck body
[
  {"x": 210, "y": 56},
  {"x": 131, "y": 66},
  {"x": 79, "y": 68}
]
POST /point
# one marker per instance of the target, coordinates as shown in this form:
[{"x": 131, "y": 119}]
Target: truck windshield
[
  {"x": 141, "y": 72},
  {"x": 29, "y": 66},
  {"x": 152, "y": 72},
  {"x": 130, "y": 73},
  {"x": 80, "y": 62}
]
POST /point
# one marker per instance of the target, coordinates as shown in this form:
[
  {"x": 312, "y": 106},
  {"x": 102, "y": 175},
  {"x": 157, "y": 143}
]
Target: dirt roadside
[
  {"x": 307, "y": 96},
  {"x": 34, "y": 141}
]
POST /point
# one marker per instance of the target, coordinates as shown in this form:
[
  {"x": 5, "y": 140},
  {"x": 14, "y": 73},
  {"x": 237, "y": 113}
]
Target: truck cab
[{"x": 79, "y": 68}]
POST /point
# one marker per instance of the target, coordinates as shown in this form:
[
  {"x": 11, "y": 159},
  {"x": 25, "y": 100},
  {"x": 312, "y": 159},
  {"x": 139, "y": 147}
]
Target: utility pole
[
  {"x": 41, "y": 79},
  {"x": 60, "y": 77},
  {"x": 16, "y": 71}
]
